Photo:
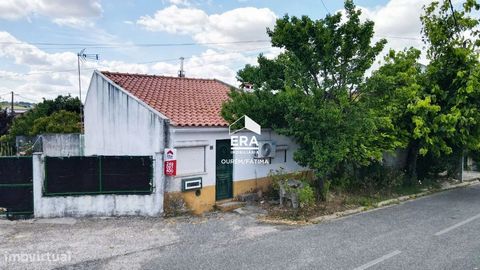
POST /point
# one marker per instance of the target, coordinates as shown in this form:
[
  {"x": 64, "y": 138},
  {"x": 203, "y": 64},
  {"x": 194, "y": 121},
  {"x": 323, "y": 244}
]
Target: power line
[
  {"x": 139, "y": 63},
  {"x": 328, "y": 11},
  {"x": 453, "y": 14},
  {"x": 123, "y": 45},
  {"x": 18, "y": 95}
]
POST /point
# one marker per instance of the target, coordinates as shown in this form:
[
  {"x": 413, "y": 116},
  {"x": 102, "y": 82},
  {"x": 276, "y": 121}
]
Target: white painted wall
[
  {"x": 62, "y": 145},
  {"x": 207, "y": 137},
  {"x": 96, "y": 205},
  {"x": 117, "y": 123}
]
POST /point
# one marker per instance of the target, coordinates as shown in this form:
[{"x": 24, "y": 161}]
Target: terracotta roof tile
[{"x": 185, "y": 101}]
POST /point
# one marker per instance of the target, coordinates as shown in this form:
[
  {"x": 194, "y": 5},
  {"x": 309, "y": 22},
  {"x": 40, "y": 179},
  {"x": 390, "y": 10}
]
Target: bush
[
  {"x": 430, "y": 166},
  {"x": 174, "y": 205},
  {"x": 278, "y": 177},
  {"x": 376, "y": 178},
  {"x": 306, "y": 196},
  {"x": 325, "y": 189}
]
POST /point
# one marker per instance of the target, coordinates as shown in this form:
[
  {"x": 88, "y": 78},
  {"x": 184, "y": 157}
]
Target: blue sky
[{"x": 34, "y": 69}]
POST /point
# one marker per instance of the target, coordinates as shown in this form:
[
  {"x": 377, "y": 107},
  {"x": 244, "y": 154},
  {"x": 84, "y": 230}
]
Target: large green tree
[
  {"x": 452, "y": 83},
  {"x": 310, "y": 91},
  {"x": 433, "y": 109},
  {"x": 396, "y": 92},
  {"x": 59, "y": 115}
]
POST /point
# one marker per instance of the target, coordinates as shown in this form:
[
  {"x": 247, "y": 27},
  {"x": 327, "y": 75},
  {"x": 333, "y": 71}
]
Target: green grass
[
  {"x": 368, "y": 200},
  {"x": 4, "y": 105},
  {"x": 364, "y": 200}
]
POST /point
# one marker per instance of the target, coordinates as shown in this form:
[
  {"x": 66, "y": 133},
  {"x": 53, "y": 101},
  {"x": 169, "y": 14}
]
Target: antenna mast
[
  {"x": 181, "y": 72},
  {"x": 82, "y": 56}
]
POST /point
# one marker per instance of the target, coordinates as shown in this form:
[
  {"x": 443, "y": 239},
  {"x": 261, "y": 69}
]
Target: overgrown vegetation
[
  {"x": 318, "y": 92},
  {"x": 306, "y": 194},
  {"x": 60, "y": 115},
  {"x": 174, "y": 205}
]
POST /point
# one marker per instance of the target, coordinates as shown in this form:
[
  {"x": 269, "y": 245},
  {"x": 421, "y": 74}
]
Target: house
[{"x": 137, "y": 114}]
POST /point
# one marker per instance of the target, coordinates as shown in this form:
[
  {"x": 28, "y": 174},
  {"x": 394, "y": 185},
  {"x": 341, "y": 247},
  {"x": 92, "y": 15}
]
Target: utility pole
[
  {"x": 79, "y": 77},
  {"x": 80, "y": 89},
  {"x": 82, "y": 56},
  {"x": 13, "y": 112}
]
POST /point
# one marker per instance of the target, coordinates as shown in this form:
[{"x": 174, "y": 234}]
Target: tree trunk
[
  {"x": 412, "y": 158},
  {"x": 320, "y": 183}
]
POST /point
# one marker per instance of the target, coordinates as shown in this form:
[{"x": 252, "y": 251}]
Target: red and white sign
[
  {"x": 170, "y": 165},
  {"x": 170, "y": 154}
]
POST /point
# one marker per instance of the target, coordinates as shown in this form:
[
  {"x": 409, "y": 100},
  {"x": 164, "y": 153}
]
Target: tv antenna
[{"x": 83, "y": 57}]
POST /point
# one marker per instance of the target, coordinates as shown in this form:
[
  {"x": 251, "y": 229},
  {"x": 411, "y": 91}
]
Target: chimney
[{"x": 181, "y": 72}]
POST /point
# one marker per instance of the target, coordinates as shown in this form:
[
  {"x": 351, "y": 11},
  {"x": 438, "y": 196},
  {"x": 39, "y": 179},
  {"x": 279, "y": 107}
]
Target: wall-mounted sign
[
  {"x": 170, "y": 154},
  {"x": 170, "y": 165}
]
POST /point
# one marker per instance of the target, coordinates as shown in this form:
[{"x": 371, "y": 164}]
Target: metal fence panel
[
  {"x": 98, "y": 175},
  {"x": 127, "y": 173},
  {"x": 16, "y": 187},
  {"x": 17, "y": 200},
  {"x": 15, "y": 170},
  {"x": 71, "y": 175}
]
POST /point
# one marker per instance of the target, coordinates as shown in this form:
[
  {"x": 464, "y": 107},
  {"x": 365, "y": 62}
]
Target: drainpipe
[
  {"x": 166, "y": 133},
  {"x": 166, "y": 142}
]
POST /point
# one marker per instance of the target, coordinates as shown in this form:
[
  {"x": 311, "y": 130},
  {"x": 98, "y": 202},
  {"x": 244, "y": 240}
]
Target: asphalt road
[
  {"x": 436, "y": 232},
  {"x": 441, "y": 231}
]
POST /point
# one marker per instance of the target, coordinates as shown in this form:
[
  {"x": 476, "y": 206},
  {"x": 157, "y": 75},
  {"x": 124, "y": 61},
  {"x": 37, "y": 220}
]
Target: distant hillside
[{"x": 21, "y": 105}]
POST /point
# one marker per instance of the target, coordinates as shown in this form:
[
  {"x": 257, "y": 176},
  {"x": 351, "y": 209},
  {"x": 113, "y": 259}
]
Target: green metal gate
[
  {"x": 16, "y": 186},
  {"x": 224, "y": 170}
]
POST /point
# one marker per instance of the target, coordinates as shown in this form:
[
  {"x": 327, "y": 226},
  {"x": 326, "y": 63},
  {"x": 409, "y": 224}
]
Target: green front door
[{"x": 224, "y": 170}]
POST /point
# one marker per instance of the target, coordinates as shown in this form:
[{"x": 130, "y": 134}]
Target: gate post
[
  {"x": 159, "y": 181},
  {"x": 38, "y": 178}
]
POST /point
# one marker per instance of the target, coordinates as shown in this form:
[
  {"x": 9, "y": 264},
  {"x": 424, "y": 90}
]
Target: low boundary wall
[{"x": 97, "y": 205}]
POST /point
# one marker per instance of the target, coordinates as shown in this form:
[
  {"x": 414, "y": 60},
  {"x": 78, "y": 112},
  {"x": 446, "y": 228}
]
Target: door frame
[{"x": 230, "y": 195}]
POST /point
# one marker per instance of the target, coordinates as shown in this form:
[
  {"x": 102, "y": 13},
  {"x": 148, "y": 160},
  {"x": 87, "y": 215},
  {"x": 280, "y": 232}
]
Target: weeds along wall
[{"x": 97, "y": 186}]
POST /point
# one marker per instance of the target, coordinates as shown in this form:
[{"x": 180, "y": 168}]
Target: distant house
[{"x": 136, "y": 114}]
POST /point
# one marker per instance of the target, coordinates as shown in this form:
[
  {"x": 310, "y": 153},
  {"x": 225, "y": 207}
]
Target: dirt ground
[{"x": 107, "y": 243}]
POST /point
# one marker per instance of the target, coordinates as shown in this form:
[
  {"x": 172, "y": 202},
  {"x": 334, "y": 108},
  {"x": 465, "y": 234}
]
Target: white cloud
[
  {"x": 236, "y": 25},
  {"x": 399, "y": 22},
  {"x": 175, "y": 20},
  {"x": 63, "y": 12},
  {"x": 210, "y": 64},
  {"x": 26, "y": 54},
  {"x": 52, "y": 74},
  {"x": 179, "y": 2},
  {"x": 74, "y": 22},
  {"x": 239, "y": 24}
]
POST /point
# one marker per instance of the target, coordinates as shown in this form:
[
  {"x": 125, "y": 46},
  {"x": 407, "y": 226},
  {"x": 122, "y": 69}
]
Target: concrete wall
[
  {"x": 55, "y": 145},
  {"x": 396, "y": 160},
  {"x": 96, "y": 205},
  {"x": 117, "y": 123},
  {"x": 62, "y": 145}
]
